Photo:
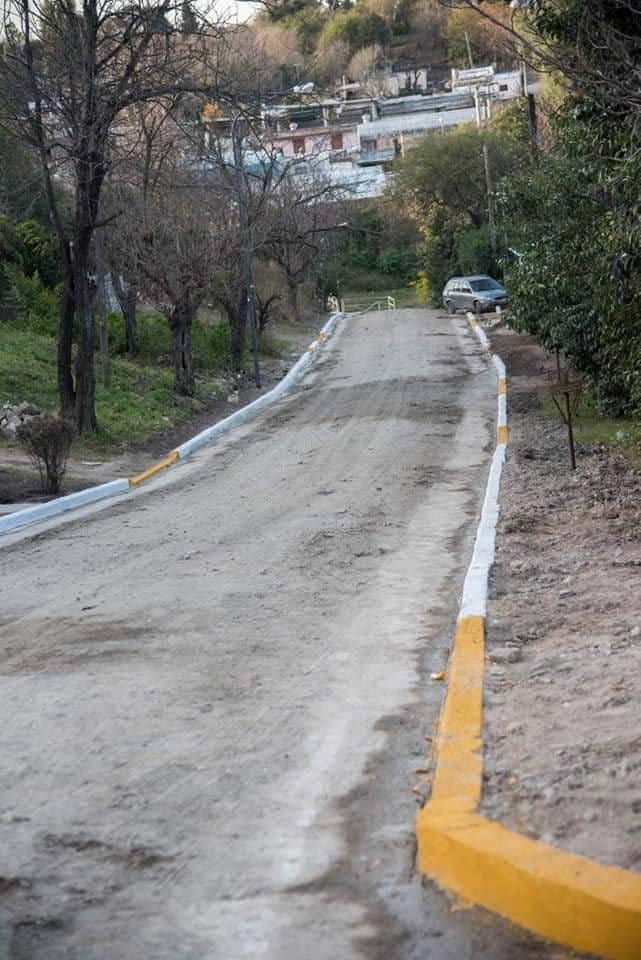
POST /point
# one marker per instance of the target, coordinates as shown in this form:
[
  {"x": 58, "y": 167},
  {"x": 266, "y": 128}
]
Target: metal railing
[{"x": 352, "y": 305}]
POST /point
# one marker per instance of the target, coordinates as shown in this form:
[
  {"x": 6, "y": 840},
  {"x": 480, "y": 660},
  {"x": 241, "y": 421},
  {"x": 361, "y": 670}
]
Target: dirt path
[
  {"x": 563, "y": 744},
  {"x": 214, "y": 695}
]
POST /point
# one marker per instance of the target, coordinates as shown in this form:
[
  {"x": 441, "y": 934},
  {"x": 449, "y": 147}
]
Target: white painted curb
[
  {"x": 43, "y": 511},
  {"x": 474, "y": 602}
]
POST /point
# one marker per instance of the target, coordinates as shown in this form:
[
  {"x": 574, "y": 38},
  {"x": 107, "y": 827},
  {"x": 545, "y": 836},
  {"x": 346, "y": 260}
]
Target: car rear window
[{"x": 487, "y": 284}]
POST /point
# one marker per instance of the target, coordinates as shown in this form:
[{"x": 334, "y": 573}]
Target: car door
[
  {"x": 465, "y": 296},
  {"x": 455, "y": 294}
]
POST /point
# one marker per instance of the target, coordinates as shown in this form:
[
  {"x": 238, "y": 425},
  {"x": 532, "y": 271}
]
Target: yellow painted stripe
[
  {"x": 157, "y": 467},
  {"x": 566, "y": 898},
  {"x": 502, "y": 386},
  {"x": 501, "y": 434}
]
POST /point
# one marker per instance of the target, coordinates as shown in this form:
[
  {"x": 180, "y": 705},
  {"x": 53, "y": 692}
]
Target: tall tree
[{"x": 80, "y": 69}]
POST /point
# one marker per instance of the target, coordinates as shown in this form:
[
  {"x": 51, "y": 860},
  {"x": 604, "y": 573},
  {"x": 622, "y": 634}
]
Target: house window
[
  {"x": 503, "y": 87},
  {"x": 298, "y": 143},
  {"x": 368, "y": 144},
  {"x": 337, "y": 141}
]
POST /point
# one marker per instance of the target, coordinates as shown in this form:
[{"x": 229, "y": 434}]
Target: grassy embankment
[{"x": 141, "y": 399}]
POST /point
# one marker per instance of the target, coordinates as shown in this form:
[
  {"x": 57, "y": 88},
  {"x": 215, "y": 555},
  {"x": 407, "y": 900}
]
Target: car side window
[{"x": 466, "y": 288}]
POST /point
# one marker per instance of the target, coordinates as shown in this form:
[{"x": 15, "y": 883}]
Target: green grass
[{"x": 139, "y": 402}]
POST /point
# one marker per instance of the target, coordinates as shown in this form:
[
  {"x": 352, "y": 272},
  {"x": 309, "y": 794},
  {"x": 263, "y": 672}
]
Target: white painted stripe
[
  {"x": 474, "y": 601},
  {"x": 42, "y": 511}
]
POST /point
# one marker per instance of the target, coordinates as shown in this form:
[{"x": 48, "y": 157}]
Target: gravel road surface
[{"x": 214, "y": 696}]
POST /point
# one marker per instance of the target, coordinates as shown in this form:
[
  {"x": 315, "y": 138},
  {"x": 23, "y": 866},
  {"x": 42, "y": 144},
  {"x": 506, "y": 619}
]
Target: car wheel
[{"x": 450, "y": 307}]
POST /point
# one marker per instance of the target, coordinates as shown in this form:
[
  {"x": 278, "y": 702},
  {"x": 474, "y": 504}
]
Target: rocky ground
[{"x": 562, "y": 735}]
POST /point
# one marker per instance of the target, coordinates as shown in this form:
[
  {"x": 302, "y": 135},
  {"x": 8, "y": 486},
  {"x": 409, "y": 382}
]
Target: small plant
[
  {"x": 47, "y": 440},
  {"x": 422, "y": 287}
]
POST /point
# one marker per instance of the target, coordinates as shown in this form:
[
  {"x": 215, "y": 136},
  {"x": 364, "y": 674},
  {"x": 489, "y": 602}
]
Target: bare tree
[
  {"x": 303, "y": 209},
  {"x": 365, "y": 68},
  {"x": 78, "y": 71},
  {"x": 173, "y": 236}
]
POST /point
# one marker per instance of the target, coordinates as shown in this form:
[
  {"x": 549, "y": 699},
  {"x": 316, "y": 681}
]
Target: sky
[{"x": 242, "y": 10}]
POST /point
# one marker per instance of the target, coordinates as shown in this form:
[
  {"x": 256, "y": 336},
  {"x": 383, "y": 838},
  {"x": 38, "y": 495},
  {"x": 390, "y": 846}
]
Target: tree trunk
[
  {"x": 66, "y": 392},
  {"x": 85, "y": 372},
  {"x": 127, "y": 297},
  {"x": 292, "y": 288},
  {"x": 180, "y": 323},
  {"x": 238, "y": 324}
]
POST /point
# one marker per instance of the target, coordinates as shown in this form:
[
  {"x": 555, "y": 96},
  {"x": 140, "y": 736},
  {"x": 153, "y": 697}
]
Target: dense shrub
[{"x": 37, "y": 306}]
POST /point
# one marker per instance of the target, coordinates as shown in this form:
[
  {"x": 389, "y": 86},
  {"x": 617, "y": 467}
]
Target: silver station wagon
[{"x": 477, "y": 293}]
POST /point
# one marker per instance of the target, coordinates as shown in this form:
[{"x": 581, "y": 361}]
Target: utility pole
[
  {"x": 101, "y": 302},
  {"x": 245, "y": 251},
  {"x": 490, "y": 204}
]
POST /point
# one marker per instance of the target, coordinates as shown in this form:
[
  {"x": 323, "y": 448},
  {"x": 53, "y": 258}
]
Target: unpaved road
[{"x": 214, "y": 696}]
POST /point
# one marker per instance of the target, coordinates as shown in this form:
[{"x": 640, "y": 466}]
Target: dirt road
[{"x": 214, "y": 696}]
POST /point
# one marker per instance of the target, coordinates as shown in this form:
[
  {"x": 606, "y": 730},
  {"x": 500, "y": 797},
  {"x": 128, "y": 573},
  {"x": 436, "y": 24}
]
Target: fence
[{"x": 351, "y": 305}]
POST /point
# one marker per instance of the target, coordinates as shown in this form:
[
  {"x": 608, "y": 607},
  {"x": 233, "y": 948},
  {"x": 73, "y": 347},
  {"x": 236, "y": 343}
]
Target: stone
[{"x": 507, "y": 654}]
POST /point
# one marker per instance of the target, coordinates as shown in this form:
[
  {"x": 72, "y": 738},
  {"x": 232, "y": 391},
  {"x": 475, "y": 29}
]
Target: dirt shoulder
[
  {"x": 19, "y": 479},
  {"x": 562, "y": 737}
]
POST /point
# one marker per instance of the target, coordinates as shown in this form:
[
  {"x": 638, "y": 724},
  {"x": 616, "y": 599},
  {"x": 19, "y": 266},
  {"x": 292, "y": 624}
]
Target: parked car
[{"x": 478, "y": 293}]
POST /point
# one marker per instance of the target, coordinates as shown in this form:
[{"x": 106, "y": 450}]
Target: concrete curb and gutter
[
  {"x": 563, "y": 897},
  {"x": 53, "y": 508}
]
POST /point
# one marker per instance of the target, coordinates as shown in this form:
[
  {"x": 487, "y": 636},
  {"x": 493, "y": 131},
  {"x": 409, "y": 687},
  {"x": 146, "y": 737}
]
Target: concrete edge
[
  {"x": 43, "y": 511},
  {"x": 566, "y": 898},
  {"x": 53, "y": 508}
]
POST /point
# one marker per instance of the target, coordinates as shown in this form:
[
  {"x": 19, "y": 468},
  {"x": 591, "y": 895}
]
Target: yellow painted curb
[
  {"x": 565, "y": 898},
  {"x": 157, "y": 467},
  {"x": 502, "y": 386},
  {"x": 456, "y": 786},
  {"x": 570, "y": 899}
]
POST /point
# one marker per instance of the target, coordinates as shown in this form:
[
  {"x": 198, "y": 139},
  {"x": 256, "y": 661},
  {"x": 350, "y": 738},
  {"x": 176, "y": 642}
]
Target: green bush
[
  {"x": 357, "y": 28},
  {"x": 211, "y": 342},
  {"x": 422, "y": 287},
  {"x": 37, "y": 306},
  {"x": 212, "y": 346},
  {"x": 39, "y": 252},
  {"x": 397, "y": 262},
  {"x": 474, "y": 252}
]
